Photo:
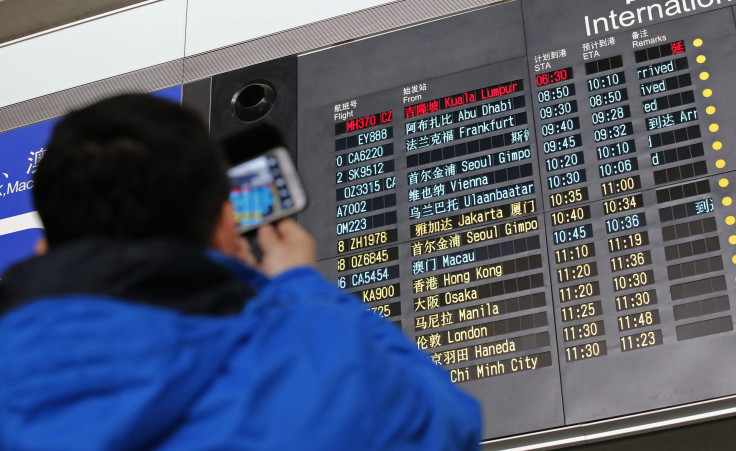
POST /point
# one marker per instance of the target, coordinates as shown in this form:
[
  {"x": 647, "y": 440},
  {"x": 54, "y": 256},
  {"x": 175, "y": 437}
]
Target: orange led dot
[
  {"x": 720, "y": 164},
  {"x": 711, "y": 110},
  {"x": 707, "y": 92},
  {"x": 701, "y": 59},
  {"x": 727, "y": 201},
  {"x": 704, "y": 75},
  {"x": 723, "y": 183},
  {"x": 698, "y": 42},
  {"x": 717, "y": 145}
]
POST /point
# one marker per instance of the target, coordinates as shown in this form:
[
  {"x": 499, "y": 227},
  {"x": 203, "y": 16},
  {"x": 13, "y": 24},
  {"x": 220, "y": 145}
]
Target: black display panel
[
  {"x": 544, "y": 206},
  {"x": 653, "y": 128}
]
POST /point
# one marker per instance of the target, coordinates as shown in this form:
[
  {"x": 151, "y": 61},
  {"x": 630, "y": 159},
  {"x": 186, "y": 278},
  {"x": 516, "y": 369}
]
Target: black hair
[{"x": 132, "y": 167}]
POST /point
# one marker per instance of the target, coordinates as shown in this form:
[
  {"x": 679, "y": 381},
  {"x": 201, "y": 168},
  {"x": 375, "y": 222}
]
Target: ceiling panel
[{"x": 19, "y": 18}]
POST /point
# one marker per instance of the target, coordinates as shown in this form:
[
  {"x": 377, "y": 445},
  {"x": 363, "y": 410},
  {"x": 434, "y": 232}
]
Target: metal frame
[
  {"x": 314, "y": 37},
  {"x": 616, "y": 428}
]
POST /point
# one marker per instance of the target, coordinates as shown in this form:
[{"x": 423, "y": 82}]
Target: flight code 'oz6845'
[{"x": 367, "y": 259}]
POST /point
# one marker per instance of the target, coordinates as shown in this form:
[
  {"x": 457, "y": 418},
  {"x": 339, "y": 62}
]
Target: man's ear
[
  {"x": 225, "y": 234},
  {"x": 226, "y": 239},
  {"x": 41, "y": 246}
]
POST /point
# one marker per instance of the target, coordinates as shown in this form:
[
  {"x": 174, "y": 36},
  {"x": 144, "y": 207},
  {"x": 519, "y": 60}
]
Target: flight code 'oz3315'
[{"x": 365, "y": 188}]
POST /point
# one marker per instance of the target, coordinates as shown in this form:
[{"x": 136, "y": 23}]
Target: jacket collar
[{"x": 166, "y": 273}]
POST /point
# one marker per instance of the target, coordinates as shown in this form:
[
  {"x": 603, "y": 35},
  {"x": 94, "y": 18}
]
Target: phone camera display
[{"x": 257, "y": 190}]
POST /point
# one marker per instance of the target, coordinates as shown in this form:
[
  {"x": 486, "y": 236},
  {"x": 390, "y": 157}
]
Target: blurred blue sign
[{"x": 20, "y": 151}]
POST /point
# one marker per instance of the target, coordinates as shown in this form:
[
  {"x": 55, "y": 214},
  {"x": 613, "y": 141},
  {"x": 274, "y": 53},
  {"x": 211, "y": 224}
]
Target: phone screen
[{"x": 258, "y": 189}]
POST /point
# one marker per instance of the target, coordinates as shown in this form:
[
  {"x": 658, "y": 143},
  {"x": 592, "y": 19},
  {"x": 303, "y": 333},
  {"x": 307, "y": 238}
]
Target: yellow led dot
[
  {"x": 711, "y": 110},
  {"x": 733, "y": 259},
  {"x": 698, "y": 42},
  {"x": 717, "y": 145},
  {"x": 707, "y": 92},
  {"x": 730, "y": 220},
  {"x": 732, "y": 239},
  {"x": 727, "y": 201},
  {"x": 713, "y": 127},
  {"x": 720, "y": 164},
  {"x": 701, "y": 59},
  {"x": 723, "y": 183},
  {"x": 704, "y": 75}
]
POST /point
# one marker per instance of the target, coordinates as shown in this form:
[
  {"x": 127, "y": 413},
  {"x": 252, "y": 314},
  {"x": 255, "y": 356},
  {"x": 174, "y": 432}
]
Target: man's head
[{"x": 131, "y": 167}]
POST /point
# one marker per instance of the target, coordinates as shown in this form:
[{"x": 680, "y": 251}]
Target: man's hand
[{"x": 285, "y": 245}]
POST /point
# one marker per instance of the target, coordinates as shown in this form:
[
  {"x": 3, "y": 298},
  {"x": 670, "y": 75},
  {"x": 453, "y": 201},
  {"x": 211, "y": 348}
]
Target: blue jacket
[{"x": 114, "y": 347}]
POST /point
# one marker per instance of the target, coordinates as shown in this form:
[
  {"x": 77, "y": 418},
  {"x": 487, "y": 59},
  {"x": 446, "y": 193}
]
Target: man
[{"x": 140, "y": 328}]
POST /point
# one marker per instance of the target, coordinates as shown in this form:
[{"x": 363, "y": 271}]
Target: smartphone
[{"x": 265, "y": 189}]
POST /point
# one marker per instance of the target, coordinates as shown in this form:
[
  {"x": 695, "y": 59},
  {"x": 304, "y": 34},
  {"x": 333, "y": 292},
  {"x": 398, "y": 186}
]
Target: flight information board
[{"x": 540, "y": 195}]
